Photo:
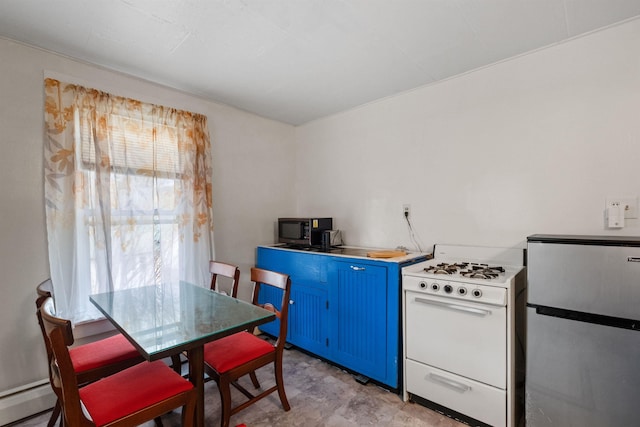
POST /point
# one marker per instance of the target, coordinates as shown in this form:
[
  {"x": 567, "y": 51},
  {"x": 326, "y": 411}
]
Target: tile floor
[{"x": 320, "y": 395}]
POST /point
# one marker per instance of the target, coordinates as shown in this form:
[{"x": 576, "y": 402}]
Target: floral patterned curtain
[{"x": 127, "y": 192}]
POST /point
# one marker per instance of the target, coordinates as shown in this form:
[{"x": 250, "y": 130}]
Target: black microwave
[{"x": 303, "y": 231}]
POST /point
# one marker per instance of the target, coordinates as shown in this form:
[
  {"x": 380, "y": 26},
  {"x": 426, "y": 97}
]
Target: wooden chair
[
  {"x": 91, "y": 361},
  {"x": 232, "y": 357},
  {"x": 130, "y": 397},
  {"x": 218, "y": 268}
]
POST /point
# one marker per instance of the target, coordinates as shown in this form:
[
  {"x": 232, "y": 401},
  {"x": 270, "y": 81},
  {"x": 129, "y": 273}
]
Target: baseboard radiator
[{"x": 24, "y": 401}]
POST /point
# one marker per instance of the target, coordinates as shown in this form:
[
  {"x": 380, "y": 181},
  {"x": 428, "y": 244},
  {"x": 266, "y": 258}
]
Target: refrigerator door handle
[
  {"x": 633, "y": 259},
  {"x": 579, "y": 316}
]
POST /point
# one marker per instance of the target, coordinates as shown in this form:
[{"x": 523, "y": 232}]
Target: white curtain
[{"x": 128, "y": 195}]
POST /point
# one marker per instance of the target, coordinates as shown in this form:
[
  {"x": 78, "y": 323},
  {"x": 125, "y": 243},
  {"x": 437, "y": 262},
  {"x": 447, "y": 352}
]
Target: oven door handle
[
  {"x": 475, "y": 311},
  {"x": 449, "y": 383}
]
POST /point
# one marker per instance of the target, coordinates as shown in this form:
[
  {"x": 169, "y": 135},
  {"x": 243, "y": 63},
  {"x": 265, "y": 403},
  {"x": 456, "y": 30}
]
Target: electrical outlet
[
  {"x": 630, "y": 205},
  {"x": 406, "y": 210}
]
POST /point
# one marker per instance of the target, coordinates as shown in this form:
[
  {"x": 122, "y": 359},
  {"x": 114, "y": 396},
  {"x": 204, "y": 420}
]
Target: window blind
[{"x": 134, "y": 145}]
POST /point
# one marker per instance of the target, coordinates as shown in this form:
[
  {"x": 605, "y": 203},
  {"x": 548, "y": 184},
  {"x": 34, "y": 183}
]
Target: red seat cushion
[
  {"x": 130, "y": 390},
  {"x": 102, "y": 353},
  {"x": 235, "y": 350}
]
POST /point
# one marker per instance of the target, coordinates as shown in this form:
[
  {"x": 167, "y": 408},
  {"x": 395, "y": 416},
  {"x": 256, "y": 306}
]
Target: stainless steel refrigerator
[{"x": 583, "y": 342}]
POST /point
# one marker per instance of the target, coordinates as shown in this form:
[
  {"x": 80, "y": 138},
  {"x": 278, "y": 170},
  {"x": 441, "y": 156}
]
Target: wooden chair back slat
[{"x": 217, "y": 268}]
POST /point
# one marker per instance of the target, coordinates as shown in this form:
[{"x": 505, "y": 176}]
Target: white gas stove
[{"x": 462, "y": 315}]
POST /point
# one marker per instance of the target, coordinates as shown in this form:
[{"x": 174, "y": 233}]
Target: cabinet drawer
[
  {"x": 302, "y": 267},
  {"x": 474, "y": 399}
]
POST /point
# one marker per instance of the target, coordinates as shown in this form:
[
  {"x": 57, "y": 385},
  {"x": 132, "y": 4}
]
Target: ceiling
[{"x": 299, "y": 60}]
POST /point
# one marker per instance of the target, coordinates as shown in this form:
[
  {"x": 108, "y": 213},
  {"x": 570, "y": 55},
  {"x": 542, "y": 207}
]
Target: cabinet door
[
  {"x": 359, "y": 332},
  {"x": 308, "y": 322},
  {"x": 279, "y": 261},
  {"x": 308, "y": 319},
  {"x": 307, "y": 327},
  {"x": 274, "y": 296}
]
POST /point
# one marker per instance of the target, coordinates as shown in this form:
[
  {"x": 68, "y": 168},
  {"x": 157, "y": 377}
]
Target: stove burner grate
[
  {"x": 445, "y": 268},
  {"x": 482, "y": 271},
  {"x": 466, "y": 269}
]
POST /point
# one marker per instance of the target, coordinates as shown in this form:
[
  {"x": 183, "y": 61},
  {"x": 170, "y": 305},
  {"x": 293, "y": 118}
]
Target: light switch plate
[{"x": 630, "y": 205}]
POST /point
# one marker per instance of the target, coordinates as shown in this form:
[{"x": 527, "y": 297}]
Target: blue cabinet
[{"x": 343, "y": 309}]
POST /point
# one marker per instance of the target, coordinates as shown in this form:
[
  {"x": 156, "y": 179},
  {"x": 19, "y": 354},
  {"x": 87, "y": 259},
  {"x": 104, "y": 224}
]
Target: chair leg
[
  {"x": 280, "y": 383},
  {"x": 158, "y": 421},
  {"x": 224, "y": 387},
  {"x": 55, "y": 414},
  {"x": 188, "y": 413},
  {"x": 254, "y": 379},
  {"x": 176, "y": 364}
]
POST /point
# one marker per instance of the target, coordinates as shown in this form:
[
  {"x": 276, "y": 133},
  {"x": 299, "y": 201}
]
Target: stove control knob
[
  {"x": 462, "y": 291},
  {"x": 435, "y": 287},
  {"x": 423, "y": 285},
  {"x": 448, "y": 289},
  {"x": 476, "y": 293}
]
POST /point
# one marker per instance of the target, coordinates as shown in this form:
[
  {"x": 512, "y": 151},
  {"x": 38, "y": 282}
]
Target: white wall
[
  {"x": 531, "y": 145},
  {"x": 252, "y": 185}
]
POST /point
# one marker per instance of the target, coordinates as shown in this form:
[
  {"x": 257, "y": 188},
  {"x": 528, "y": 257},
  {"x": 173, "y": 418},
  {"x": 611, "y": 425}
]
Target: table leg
[{"x": 196, "y": 376}]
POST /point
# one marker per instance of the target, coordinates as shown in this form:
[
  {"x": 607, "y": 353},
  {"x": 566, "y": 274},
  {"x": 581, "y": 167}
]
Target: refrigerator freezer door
[
  {"x": 588, "y": 278},
  {"x": 580, "y": 374}
]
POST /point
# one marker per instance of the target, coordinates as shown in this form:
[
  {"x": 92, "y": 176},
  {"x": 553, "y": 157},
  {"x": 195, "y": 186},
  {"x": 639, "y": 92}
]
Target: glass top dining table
[{"x": 165, "y": 320}]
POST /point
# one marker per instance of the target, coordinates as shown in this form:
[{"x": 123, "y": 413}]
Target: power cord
[{"x": 412, "y": 234}]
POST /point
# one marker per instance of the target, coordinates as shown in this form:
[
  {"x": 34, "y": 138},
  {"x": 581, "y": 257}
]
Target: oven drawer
[{"x": 471, "y": 398}]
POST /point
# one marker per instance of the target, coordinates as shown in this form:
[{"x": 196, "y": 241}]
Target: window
[{"x": 128, "y": 188}]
